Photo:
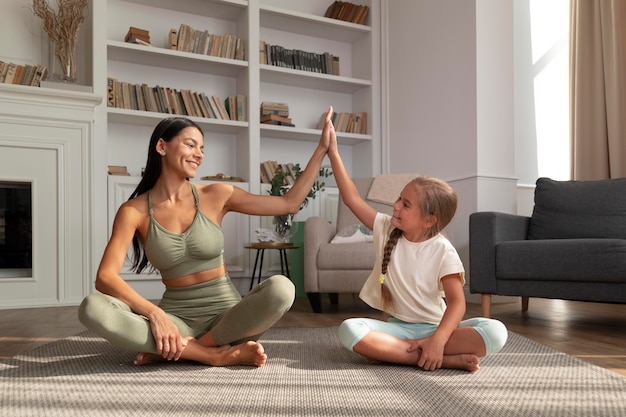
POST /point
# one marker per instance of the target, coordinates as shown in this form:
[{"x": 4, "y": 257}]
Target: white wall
[{"x": 450, "y": 91}]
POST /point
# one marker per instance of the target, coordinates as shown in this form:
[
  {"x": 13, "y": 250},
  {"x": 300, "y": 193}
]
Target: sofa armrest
[
  {"x": 317, "y": 230},
  {"x": 486, "y": 230}
]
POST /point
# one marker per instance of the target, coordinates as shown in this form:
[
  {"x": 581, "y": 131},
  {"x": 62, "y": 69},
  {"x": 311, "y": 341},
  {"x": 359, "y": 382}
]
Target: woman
[{"x": 176, "y": 226}]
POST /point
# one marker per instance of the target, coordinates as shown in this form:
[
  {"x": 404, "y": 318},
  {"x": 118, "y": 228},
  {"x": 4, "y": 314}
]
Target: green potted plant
[{"x": 279, "y": 186}]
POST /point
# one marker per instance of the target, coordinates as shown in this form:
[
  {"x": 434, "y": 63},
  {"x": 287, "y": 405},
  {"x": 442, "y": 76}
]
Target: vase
[
  {"x": 284, "y": 228},
  {"x": 62, "y": 57}
]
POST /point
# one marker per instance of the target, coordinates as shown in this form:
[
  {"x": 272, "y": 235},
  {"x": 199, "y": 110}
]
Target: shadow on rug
[{"x": 308, "y": 374}]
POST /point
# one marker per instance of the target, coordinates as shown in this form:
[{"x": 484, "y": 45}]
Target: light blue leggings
[{"x": 351, "y": 331}]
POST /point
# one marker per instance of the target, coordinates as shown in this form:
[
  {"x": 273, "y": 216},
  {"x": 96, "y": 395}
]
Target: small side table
[{"x": 260, "y": 247}]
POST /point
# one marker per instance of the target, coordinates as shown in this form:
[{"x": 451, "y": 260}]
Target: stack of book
[
  {"x": 270, "y": 168},
  {"x": 118, "y": 170},
  {"x": 12, "y": 73},
  {"x": 346, "y": 122},
  {"x": 188, "y": 39},
  {"x": 139, "y": 36},
  {"x": 184, "y": 102},
  {"x": 273, "y": 113},
  {"x": 348, "y": 12},
  {"x": 279, "y": 56}
]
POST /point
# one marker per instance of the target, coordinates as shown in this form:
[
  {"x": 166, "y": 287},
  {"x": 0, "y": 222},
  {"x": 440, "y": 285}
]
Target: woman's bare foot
[
  {"x": 247, "y": 353},
  {"x": 465, "y": 361},
  {"x": 144, "y": 358}
]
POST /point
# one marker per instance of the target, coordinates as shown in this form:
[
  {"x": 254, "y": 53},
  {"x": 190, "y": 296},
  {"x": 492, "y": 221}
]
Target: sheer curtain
[{"x": 598, "y": 88}]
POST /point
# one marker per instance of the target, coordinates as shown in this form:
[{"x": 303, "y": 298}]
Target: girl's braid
[{"x": 391, "y": 243}]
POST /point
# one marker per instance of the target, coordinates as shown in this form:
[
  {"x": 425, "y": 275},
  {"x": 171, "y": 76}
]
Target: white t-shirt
[{"x": 413, "y": 275}]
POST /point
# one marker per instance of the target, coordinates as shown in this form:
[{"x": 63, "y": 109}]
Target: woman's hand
[
  {"x": 169, "y": 343},
  {"x": 431, "y": 353},
  {"x": 328, "y": 131}
]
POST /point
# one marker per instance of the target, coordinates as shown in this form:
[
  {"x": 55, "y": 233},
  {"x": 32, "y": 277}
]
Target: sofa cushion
[
  {"x": 583, "y": 260},
  {"x": 579, "y": 209},
  {"x": 332, "y": 256}
]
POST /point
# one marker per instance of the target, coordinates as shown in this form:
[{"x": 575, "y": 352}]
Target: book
[
  {"x": 136, "y": 33},
  {"x": 242, "y": 108},
  {"x": 172, "y": 39},
  {"x": 207, "y": 104},
  {"x": 268, "y": 107},
  {"x": 4, "y": 66},
  {"x": 141, "y": 104},
  {"x": 182, "y": 35},
  {"x": 240, "y": 50},
  {"x": 196, "y": 104},
  {"x": 29, "y": 72},
  {"x": 220, "y": 106},
  {"x": 230, "y": 103},
  {"x": 213, "y": 107},
  {"x": 10, "y": 74},
  {"x": 187, "y": 105},
  {"x": 118, "y": 170},
  {"x": 216, "y": 45},
  {"x": 41, "y": 73},
  {"x": 278, "y": 123},
  {"x": 275, "y": 118}
]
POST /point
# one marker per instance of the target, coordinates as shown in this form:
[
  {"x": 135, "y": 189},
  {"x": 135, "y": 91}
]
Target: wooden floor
[{"x": 590, "y": 331}]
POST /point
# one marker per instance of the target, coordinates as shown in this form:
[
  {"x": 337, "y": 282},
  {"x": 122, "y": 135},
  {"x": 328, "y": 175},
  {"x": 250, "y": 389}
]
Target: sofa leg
[
  {"x": 334, "y": 298},
  {"x": 485, "y": 305},
  {"x": 525, "y": 303},
  {"x": 315, "y": 300}
]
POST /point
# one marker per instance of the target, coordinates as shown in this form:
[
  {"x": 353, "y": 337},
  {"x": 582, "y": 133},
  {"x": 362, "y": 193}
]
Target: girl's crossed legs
[{"x": 389, "y": 341}]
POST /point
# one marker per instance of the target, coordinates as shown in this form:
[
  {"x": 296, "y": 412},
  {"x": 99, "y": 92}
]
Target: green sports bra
[{"x": 199, "y": 248}]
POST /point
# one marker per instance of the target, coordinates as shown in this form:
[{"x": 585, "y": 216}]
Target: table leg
[
  {"x": 261, "y": 266},
  {"x": 286, "y": 264},
  {"x": 256, "y": 260}
]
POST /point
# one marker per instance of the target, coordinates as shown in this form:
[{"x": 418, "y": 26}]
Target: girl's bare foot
[{"x": 465, "y": 361}]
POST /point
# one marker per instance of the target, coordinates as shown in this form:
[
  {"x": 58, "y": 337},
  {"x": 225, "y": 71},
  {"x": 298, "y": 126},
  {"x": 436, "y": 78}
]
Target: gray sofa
[
  {"x": 335, "y": 268},
  {"x": 573, "y": 247}
]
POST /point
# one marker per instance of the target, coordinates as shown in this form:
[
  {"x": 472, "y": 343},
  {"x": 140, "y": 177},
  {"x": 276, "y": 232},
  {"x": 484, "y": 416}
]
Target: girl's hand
[
  {"x": 431, "y": 355},
  {"x": 169, "y": 342},
  {"x": 328, "y": 131}
]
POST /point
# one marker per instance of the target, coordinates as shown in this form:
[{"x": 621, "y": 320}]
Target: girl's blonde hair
[{"x": 435, "y": 198}]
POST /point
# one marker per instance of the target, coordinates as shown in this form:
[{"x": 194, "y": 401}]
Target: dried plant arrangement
[{"x": 62, "y": 28}]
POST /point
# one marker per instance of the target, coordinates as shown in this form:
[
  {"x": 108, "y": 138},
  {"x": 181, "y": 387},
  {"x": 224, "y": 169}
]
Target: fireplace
[
  {"x": 49, "y": 214},
  {"x": 16, "y": 243}
]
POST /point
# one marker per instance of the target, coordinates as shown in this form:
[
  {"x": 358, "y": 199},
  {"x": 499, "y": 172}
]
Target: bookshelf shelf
[
  {"x": 310, "y": 135},
  {"x": 311, "y": 25},
  {"x": 150, "y": 119},
  {"x": 164, "y": 58},
  {"x": 313, "y": 80},
  {"x": 221, "y": 9}
]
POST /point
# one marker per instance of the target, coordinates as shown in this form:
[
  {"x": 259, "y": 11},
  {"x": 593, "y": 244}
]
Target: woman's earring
[{"x": 163, "y": 152}]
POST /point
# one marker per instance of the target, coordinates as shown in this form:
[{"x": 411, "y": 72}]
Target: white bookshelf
[{"x": 234, "y": 147}]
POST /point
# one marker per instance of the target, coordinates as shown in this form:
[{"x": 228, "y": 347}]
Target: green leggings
[{"x": 214, "y": 306}]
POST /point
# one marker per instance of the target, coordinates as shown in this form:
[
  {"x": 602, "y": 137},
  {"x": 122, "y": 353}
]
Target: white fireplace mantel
[{"x": 47, "y": 140}]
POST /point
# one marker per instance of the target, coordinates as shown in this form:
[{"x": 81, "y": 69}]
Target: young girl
[{"x": 417, "y": 282}]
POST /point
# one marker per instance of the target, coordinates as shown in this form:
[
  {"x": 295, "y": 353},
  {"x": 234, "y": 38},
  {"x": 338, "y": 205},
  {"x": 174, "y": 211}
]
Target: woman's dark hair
[{"x": 167, "y": 129}]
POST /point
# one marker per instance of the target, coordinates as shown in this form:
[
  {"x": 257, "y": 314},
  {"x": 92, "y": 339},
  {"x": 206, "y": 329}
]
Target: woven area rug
[{"x": 308, "y": 374}]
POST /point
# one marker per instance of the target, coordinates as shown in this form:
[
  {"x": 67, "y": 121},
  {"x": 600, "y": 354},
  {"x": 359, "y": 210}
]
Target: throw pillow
[
  {"x": 356, "y": 233},
  {"x": 579, "y": 209}
]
